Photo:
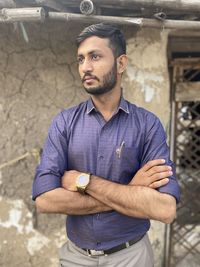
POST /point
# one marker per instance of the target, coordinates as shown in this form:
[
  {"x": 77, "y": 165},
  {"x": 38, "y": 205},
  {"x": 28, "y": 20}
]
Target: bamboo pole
[
  {"x": 8, "y": 15},
  {"x": 38, "y": 14},
  {"x": 92, "y": 19},
  {"x": 35, "y": 153},
  {"x": 140, "y": 22}
]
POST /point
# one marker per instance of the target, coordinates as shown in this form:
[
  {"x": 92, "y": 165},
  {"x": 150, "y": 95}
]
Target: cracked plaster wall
[{"x": 37, "y": 80}]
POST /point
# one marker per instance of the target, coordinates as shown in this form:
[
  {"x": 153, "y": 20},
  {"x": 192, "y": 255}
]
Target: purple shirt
[{"x": 80, "y": 139}]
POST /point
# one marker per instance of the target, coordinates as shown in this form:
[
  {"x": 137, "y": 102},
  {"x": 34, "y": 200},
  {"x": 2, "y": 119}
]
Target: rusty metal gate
[{"x": 184, "y": 233}]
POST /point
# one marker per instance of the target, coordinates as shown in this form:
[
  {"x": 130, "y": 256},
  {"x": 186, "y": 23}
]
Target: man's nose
[{"x": 86, "y": 66}]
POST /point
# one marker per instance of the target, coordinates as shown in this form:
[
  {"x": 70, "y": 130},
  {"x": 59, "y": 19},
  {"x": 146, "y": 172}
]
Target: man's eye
[
  {"x": 95, "y": 57},
  {"x": 80, "y": 60}
]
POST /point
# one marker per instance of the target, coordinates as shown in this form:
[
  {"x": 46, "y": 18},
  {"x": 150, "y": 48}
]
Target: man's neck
[{"x": 107, "y": 103}]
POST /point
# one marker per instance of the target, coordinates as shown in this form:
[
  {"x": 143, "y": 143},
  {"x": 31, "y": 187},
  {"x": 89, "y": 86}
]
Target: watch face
[{"x": 83, "y": 180}]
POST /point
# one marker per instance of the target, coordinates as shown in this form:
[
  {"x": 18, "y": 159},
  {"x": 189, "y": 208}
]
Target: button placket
[{"x": 101, "y": 151}]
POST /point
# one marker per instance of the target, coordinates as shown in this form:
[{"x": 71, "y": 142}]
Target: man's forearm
[
  {"x": 66, "y": 202},
  {"x": 136, "y": 201}
]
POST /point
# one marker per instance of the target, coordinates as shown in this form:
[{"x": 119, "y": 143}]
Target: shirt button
[{"x": 101, "y": 157}]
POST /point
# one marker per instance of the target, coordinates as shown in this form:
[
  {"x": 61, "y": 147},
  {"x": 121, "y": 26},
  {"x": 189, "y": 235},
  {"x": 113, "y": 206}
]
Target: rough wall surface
[
  {"x": 37, "y": 80},
  {"x": 147, "y": 85}
]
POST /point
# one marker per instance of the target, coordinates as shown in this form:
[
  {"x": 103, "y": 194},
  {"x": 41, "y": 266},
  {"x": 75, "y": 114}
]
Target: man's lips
[{"x": 89, "y": 78}]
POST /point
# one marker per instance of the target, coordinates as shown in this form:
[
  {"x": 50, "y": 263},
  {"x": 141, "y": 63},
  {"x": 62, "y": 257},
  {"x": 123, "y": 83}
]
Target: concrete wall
[{"x": 37, "y": 80}]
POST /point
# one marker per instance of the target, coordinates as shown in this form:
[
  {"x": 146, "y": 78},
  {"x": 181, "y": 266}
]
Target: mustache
[{"x": 88, "y": 75}]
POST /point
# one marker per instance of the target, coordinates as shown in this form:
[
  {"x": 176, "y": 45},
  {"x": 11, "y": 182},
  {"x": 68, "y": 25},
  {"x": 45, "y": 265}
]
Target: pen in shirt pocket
[{"x": 120, "y": 149}]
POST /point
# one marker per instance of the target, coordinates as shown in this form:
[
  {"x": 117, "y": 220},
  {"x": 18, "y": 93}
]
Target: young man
[{"x": 106, "y": 164}]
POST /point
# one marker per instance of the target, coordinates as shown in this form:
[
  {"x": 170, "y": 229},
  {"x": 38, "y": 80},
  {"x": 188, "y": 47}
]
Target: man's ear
[{"x": 122, "y": 62}]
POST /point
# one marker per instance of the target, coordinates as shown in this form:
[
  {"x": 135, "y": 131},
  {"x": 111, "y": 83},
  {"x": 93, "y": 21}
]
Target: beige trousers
[{"x": 137, "y": 255}]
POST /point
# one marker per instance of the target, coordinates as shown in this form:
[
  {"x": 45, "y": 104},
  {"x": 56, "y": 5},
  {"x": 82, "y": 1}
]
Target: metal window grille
[{"x": 184, "y": 243}]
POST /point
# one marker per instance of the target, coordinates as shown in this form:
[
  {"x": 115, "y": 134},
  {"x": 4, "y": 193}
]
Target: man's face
[{"x": 97, "y": 66}]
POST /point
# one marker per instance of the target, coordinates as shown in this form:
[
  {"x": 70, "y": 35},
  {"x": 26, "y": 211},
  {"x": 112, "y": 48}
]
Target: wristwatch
[{"x": 82, "y": 182}]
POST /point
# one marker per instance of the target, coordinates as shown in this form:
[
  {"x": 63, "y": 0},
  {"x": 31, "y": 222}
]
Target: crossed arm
[{"x": 138, "y": 199}]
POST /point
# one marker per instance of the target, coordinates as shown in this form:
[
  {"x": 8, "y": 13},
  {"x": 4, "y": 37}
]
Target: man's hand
[
  {"x": 69, "y": 180},
  {"x": 153, "y": 174}
]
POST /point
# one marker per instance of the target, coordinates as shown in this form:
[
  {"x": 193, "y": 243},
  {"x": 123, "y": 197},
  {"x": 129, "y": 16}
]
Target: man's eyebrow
[{"x": 89, "y": 53}]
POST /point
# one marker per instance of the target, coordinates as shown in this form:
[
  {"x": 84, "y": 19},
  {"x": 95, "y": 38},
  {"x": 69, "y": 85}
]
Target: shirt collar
[
  {"x": 90, "y": 106},
  {"x": 123, "y": 105}
]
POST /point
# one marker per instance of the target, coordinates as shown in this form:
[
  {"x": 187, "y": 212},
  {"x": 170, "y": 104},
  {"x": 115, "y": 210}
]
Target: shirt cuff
[
  {"x": 44, "y": 184},
  {"x": 172, "y": 188}
]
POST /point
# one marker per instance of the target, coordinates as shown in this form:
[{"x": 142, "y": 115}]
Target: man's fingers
[
  {"x": 159, "y": 176},
  {"x": 159, "y": 183},
  {"x": 153, "y": 163},
  {"x": 159, "y": 169}
]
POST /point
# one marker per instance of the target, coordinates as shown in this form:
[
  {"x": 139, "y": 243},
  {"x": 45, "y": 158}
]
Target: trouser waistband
[{"x": 92, "y": 252}]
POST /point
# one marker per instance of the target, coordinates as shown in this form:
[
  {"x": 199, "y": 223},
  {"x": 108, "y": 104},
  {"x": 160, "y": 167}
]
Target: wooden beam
[
  {"x": 186, "y": 62},
  {"x": 26, "y": 3},
  {"x": 188, "y": 91},
  {"x": 184, "y": 44},
  {"x": 180, "y": 5},
  {"x": 38, "y": 14},
  {"x": 93, "y": 19},
  {"x": 176, "y": 5},
  {"x": 140, "y": 22},
  {"x": 8, "y": 15}
]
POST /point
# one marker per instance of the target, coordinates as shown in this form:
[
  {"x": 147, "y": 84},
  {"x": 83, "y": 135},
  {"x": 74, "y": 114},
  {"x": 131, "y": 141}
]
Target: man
[{"x": 106, "y": 164}]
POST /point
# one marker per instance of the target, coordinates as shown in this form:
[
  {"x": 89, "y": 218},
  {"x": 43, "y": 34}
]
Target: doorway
[{"x": 183, "y": 235}]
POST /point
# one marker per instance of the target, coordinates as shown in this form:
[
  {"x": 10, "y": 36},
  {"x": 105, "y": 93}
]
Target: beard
[{"x": 108, "y": 82}]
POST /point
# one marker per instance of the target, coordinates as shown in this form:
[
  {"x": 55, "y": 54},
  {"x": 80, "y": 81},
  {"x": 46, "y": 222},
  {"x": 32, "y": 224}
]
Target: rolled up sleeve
[
  {"x": 156, "y": 147},
  {"x": 53, "y": 160}
]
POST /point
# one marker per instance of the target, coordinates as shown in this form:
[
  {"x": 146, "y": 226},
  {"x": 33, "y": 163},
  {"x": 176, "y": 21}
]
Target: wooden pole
[
  {"x": 92, "y": 19},
  {"x": 22, "y": 14},
  {"x": 38, "y": 14},
  {"x": 180, "y": 5},
  {"x": 140, "y": 22}
]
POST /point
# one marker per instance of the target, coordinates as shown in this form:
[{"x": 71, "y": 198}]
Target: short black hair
[{"x": 116, "y": 38}]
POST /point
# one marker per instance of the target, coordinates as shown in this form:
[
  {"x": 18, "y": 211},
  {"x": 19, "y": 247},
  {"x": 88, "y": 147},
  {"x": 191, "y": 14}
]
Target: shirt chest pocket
[{"x": 126, "y": 163}]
